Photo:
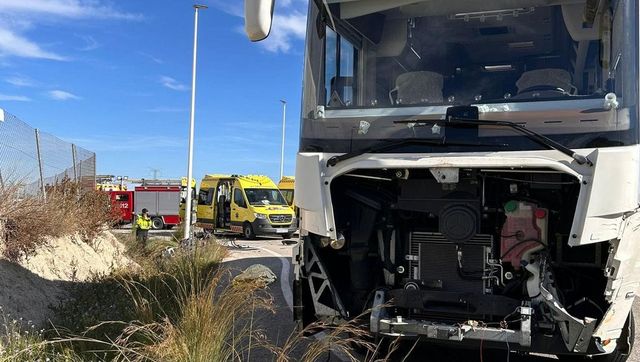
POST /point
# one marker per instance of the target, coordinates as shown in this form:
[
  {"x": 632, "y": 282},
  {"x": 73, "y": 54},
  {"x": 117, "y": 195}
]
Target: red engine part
[{"x": 525, "y": 221}]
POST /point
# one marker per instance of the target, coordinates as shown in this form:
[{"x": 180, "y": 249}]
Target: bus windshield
[{"x": 549, "y": 66}]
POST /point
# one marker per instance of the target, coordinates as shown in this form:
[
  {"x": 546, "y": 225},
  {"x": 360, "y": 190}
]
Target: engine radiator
[{"x": 433, "y": 261}]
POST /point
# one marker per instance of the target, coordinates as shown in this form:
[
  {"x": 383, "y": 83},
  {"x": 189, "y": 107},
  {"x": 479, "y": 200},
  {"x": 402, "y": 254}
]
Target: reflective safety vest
[{"x": 143, "y": 223}]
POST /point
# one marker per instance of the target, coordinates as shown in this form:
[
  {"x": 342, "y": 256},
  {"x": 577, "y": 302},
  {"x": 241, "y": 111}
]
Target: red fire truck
[
  {"x": 123, "y": 201},
  {"x": 161, "y": 198}
]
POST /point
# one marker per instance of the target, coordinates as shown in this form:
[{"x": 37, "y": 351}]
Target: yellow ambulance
[
  {"x": 250, "y": 205},
  {"x": 183, "y": 195},
  {"x": 286, "y": 186}
]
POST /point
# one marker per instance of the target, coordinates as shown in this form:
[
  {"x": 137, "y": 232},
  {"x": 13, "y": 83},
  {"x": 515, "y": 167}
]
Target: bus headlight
[{"x": 260, "y": 216}]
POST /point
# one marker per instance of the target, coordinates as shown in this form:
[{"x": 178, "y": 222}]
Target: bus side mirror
[{"x": 258, "y": 17}]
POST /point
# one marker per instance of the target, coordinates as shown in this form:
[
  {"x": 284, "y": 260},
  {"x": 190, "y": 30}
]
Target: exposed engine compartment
[{"x": 457, "y": 245}]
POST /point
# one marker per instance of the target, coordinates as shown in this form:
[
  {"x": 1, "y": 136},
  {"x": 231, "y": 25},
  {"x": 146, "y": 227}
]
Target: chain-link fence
[{"x": 35, "y": 160}]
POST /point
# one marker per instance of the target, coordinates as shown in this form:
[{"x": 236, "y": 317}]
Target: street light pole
[
  {"x": 284, "y": 122},
  {"x": 189, "y": 198}
]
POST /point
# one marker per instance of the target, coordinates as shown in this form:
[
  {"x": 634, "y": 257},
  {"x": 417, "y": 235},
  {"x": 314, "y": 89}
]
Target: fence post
[
  {"x": 74, "y": 156},
  {"x": 42, "y": 188}
]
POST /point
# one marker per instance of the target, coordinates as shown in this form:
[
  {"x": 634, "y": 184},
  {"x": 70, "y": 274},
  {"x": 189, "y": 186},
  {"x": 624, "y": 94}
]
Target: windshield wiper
[
  {"x": 535, "y": 136},
  {"x": 391, "y": 144}
]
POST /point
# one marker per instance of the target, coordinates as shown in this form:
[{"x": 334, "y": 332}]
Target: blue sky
[{"x": 114, "y": 77}]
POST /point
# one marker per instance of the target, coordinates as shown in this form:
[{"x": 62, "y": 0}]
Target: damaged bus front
[{"x": 468, "y": 170}]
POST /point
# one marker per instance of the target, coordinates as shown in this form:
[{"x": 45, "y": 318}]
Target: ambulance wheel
[
  {"x": 247, "y": 231},
  {"x": 157, "y": 223}
]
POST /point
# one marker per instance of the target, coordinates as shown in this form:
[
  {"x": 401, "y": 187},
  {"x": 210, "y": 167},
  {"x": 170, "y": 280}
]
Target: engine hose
[
  {"x": 462, "y": 274},
  {"x": 384, "y": 243},
  {"x": 520, "y": 243},
  {"x": 468, "y": 275}
]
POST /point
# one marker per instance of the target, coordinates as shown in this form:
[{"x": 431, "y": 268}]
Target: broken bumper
[{"x": 470, "y": 330}]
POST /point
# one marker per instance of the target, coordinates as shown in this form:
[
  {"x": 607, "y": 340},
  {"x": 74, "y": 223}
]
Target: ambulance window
[
  {"x": 205, "y": 197},
  {"x": 288, "y": 195},
  {"x": 238, "y": 198}
]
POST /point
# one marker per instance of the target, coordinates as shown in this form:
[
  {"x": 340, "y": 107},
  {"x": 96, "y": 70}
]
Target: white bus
[{"x": 468, "y": 170}]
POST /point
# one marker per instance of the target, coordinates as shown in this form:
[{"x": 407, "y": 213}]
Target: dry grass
[
  {"x": 21, "y": 341},
  {"x": 186, "y": 309},
  {"x": 351, "y": 341},
  {"x": 194, "y": 313},
  {"x": 342, "y": 339},
  {"x": 215, "y": 325},
  {"x": 182, "y": 308},
  {"x": 28, "y": 221}
]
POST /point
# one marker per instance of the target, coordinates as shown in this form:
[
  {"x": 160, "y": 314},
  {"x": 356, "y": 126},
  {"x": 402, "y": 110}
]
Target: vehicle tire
[
  {"x": 157, "y": 223},
  {"x": 287, "y": 236},
  {"x": 622, "y": 351},
  {"x": 247, "y": 231}
]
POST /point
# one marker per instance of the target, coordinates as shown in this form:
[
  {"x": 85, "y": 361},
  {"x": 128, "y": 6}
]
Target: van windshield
[{"x": 259, "y": 197}]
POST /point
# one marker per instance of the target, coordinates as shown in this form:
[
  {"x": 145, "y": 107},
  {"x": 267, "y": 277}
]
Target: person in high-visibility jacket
[{"x": 143, "y": 224}]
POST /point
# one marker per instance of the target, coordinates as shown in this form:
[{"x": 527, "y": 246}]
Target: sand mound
[{"x": 28, "y": 288}]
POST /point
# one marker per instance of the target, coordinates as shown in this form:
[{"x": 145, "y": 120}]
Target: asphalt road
[{"x": 279, "y": 325}]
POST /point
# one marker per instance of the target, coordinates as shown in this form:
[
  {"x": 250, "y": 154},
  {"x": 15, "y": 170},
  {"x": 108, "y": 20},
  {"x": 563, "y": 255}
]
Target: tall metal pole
[
  {"x": 75, "y": 162},
  {"x": 284, "y": 122},
  {"x": 188, "y": 208},
  {"x": 42, "y": 188}
]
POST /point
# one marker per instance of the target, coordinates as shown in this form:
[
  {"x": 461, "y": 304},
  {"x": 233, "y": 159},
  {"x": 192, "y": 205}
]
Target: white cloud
[
  {"x": 153, "y": 58},
  {"x": 20, "y": 81},
  {"x": 289, "y": 23},
  {"x": 171, "y": 83},
  {"x": 17, "y": 16},
  {"x": 166, "y": 110},
  {"x": 12, "y": 44},
  {"x": 65, "y": 8},
  {"x": 90, "y": 43},
  {"x": 285, "y": 30},
  {"x": 8, "y": 97},
  {"x": 120, "y": 143},
  {"x": 235, "y": 8},
  {"x": 288, "y": 3},
  {"x": 60, "y": 95}
]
